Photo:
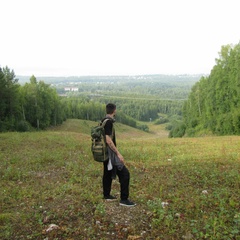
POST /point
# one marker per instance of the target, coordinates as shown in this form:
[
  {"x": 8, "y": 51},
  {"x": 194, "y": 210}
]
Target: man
[{"x": 115, "y": 164}]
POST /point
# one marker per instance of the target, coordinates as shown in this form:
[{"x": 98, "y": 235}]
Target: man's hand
[{"x": 120, "y": 157}]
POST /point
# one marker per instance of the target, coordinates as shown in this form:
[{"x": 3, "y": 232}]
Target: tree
[
  {"x": 213, "y": 103},
  {"x": 41, "y": 104},
  {"x": 9, "y": 100}
]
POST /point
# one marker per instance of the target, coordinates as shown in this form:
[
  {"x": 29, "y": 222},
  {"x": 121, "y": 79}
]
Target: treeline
[
  {"x": 145, "y": 109},
  {"x": 36, "y": 105},
  {"x": 160, "y": 90},
  {"x": 86, "y": 108},
  {"x": 213, "y": 105}
]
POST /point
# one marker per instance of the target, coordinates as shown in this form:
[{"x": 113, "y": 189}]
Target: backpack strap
[{"x": 104, "y": 122}]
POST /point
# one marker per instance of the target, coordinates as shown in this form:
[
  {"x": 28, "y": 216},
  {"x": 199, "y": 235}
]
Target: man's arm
[{"x": 114, "y": 148}]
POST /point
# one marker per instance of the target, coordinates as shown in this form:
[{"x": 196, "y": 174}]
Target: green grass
[{"x": 50, "y": 177}]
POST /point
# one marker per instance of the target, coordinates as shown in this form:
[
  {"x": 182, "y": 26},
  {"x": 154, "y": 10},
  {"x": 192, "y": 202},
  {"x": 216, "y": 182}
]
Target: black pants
[{"x": 124, "y": 179}]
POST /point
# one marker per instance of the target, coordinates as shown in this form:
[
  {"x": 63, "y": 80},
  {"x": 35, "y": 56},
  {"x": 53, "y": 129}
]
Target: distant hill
[{"x": 91, "y": 79}]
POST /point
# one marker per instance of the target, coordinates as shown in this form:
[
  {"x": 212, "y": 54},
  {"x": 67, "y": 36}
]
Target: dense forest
[
  {"x": 146, "y": 86},
  {"x": 27, "y": 103},
  {"x": 34, "y": 105},
  {"x": 213, "y": 105}
]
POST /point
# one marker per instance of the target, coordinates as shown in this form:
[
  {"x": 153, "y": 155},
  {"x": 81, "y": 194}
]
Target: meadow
[{"x": 185, "y": 188}]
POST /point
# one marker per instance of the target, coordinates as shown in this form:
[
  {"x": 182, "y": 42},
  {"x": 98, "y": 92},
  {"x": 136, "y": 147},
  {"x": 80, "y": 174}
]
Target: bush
[
  {"x": 178, "y": 130},
  {"x": 161, "y": 121},
  {"x": 143, "y": 127},
  {"x": 190, "y": 132},
  {"x": 23, "y": 126},
  {"x": 6, "y": 126}
]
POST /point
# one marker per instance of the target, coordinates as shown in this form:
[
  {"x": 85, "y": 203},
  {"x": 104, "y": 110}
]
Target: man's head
[{"x": 110, "y": 108}]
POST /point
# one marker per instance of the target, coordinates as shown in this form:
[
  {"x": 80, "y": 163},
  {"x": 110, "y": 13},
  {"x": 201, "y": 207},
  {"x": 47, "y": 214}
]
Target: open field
[{"x": 185, "y": 188}]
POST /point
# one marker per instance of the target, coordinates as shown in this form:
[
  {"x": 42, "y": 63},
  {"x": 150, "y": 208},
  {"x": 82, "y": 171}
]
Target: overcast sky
[{"x": 115, "y": 37}]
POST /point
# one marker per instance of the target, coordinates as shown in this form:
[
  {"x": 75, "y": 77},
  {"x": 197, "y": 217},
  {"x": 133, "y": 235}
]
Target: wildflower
[
  {"x": 164, "y": 204},
  {"x": 52, "y": 227}
]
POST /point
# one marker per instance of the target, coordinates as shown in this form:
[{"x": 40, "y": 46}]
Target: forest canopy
[
  {"x": 213, "y": 105},
  {"x": 35, "y": 104}
]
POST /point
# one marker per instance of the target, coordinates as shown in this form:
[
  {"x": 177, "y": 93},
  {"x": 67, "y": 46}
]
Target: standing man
[{"x": 115, "y": 164}]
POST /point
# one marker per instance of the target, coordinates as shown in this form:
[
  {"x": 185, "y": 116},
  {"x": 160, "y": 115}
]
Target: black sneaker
[
  {"x": 127, "y": 203},
  {"x": 110, "y": 198}
]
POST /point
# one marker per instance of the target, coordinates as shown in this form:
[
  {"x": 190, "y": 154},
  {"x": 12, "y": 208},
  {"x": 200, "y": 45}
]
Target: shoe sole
[
  {"x": 124, "y": 205},
  {"x": 110, "y": 200}
]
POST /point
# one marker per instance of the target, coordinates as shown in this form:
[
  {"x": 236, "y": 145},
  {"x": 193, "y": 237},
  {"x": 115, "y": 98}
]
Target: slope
[{"x": 184, "y": 188}]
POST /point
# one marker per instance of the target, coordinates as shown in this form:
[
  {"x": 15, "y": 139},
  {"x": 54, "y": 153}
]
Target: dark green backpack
[{"x": 99, "y": 146}]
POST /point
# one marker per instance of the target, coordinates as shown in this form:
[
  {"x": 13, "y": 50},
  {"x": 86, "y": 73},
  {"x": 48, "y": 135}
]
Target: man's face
[{"x": 114, "y": 113}]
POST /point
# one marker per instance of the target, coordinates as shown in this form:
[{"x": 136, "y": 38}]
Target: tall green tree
[
  {"x": 9, "y": 100},
  {"x": 41, "y": 104},
  {"x": 213, "y": 103}
]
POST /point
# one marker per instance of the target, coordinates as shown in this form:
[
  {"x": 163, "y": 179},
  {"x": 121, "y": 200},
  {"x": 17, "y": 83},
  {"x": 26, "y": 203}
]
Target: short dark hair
[{"x": 110, "y": 107}]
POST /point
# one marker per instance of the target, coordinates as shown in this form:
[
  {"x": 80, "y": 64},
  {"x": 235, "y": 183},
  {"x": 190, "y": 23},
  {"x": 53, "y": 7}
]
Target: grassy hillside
[
  {"x": 84, "y": 126},
  {"x": 185, "y": 188}
]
